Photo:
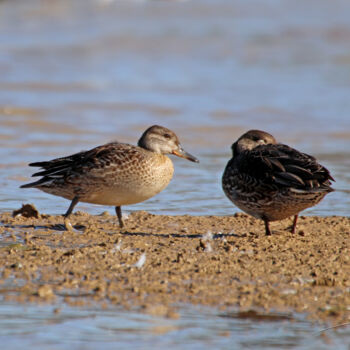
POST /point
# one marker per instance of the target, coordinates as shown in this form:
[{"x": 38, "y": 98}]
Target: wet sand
[{"x": 158, "y": 262}]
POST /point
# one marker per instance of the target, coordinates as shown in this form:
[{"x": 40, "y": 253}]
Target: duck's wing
[
  {"x": 284, "y": 166},
  {"x": 85, "y": 162}
]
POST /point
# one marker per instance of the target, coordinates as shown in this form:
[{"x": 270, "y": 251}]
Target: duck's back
[{"x": 275, "y": 177}]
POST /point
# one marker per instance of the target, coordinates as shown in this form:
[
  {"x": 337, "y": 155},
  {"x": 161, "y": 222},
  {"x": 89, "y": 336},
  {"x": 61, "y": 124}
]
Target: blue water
[
  {"x": 40, "y": 327},
  {"x": 76, "y": 74}
]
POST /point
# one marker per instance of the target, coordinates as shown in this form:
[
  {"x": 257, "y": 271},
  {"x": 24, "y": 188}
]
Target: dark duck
[{"x": 272, "y": 181}]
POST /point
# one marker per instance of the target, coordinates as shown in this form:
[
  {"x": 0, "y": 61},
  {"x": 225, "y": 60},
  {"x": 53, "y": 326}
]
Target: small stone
[{"x": 27, "y": 211}]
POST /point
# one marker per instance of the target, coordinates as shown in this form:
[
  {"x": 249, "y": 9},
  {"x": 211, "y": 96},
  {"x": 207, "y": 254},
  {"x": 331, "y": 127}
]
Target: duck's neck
[
  {"x": 143, "y": 144},
  {"x": 149, "y": 146}
]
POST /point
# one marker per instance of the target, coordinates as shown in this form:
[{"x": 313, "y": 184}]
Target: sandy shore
[{"x": 157, "y": 262}]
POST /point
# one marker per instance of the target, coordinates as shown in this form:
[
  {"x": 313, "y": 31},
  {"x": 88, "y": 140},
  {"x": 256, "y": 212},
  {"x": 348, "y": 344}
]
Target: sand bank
[{"x": 158, "y": 261}]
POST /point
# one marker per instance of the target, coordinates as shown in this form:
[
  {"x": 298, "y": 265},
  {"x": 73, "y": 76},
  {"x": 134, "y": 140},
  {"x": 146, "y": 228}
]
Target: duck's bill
[{"x": 183, "y": 154}]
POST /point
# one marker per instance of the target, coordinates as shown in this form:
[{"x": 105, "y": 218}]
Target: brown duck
[
  {"x": 272, "y": 181},
  {"x": 115, "y": 173}
]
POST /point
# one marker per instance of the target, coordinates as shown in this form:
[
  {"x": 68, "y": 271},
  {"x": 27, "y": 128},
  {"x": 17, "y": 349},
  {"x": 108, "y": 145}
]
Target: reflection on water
[
  {"x": 76, "y": 74},
  {"x": 197, "y": 328}
]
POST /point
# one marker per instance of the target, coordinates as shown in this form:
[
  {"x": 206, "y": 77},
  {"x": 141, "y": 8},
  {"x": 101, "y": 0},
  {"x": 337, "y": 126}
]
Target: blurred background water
[{"x": 77, "y": 74}]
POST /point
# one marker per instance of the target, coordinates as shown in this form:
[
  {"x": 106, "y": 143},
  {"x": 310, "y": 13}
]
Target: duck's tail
[{"x": 42, "y": 181}]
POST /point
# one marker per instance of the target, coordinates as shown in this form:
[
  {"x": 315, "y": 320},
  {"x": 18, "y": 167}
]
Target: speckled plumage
[
  {"x": 272, "y": 181},
  {"x": 115, "y": 173}
]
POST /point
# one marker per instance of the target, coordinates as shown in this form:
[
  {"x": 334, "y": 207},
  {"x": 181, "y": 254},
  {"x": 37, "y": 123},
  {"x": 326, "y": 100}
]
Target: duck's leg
[
  {"x": 67, "y": 225},
  {"x": 118, "y": 211},
  {"x": 74, "y": 202},
  {"x": 294, "y": 225},
  {"x": 267, "y": 228}
]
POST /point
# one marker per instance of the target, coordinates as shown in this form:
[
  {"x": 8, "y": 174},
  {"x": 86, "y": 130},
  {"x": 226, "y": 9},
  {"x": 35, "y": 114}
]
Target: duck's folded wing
[
  {"x": 85, "y": 162},
  {"x": 62, "y": 166},
  {"x": 284, "y": 166}
]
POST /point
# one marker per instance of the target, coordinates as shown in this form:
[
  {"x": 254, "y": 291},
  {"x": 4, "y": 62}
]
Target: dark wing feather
[
  {"x": 76, "y": 163},
  {"x": 60, "y": 166},
  {"x": 283, "y": 166}
]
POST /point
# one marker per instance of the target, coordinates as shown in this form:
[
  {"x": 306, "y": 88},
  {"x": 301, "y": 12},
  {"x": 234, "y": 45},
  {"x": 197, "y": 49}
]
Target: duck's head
[
  {"x": 162, "y": 140},
  {"x": 252, "y": 139}
]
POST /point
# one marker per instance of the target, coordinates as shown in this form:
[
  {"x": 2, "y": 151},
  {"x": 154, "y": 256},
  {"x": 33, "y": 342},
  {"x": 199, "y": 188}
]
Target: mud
[{"x": 158, "y": 262}]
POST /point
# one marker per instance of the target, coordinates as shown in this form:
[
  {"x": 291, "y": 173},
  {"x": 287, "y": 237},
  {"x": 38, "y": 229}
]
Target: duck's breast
[{"x": 135, "y": 183}]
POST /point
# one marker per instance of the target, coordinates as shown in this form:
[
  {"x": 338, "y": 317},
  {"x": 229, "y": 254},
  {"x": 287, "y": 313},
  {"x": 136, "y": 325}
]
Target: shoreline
[{"x": 158, "y": 261}]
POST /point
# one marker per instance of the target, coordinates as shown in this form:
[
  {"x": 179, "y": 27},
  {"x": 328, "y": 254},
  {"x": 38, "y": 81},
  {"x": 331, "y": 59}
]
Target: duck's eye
[{"x": 167, "y": 136}]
